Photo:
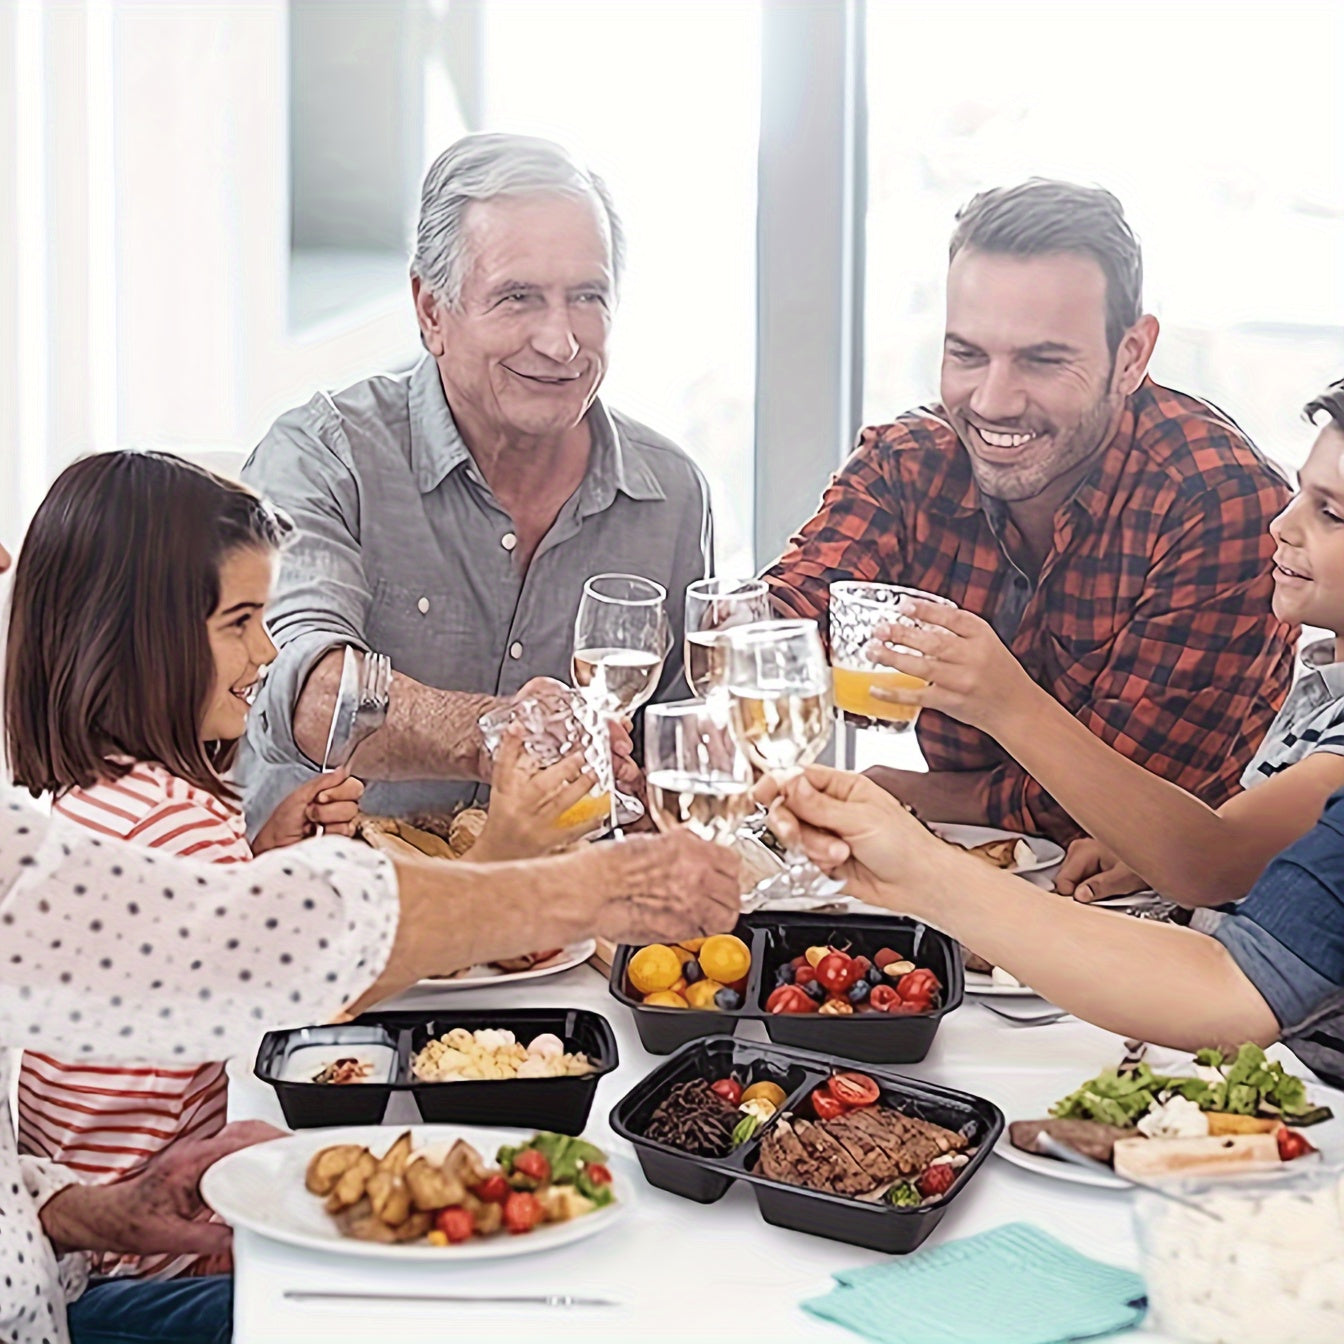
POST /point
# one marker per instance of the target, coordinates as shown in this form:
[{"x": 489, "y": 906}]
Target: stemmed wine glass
[
  {"x": 621, "y": 640},
  {"x": 696, "y": 772},
  {"x": 713, "y": 608},
  {"x": 780, "y": 707}
]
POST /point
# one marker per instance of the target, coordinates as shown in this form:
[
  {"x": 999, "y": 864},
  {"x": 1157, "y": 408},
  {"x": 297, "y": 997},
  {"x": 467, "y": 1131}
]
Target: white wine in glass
[
  {"x": 618, "y": 680},
  {"x": 621, "y": 640},
  {"x": 697, "y": 775},
  {"x": 713, "y": 608}
]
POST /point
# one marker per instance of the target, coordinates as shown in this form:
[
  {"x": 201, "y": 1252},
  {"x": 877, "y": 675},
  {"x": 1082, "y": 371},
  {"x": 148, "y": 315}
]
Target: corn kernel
[{"x": 437, "y": 1238}]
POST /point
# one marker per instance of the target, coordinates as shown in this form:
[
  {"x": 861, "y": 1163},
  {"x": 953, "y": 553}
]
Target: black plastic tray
[
  {"x": 559, "y": 1104},
  {"x": 879, "y": 1227},
  {"x": 883, "y": 1038}
]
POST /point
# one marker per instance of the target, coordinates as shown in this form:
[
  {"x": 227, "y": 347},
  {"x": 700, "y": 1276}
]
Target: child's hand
[
  {"x": 527, "y": 801},
  {"x": 330, "y": 801}
]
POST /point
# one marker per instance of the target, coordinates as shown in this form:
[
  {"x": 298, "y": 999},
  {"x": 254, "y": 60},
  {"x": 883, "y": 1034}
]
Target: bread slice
[{"x": 1153, "y": 1159}]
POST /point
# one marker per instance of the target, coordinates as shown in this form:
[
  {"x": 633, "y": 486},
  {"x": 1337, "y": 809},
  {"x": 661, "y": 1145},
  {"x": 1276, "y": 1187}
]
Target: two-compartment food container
[
  {"x": 878, "y": 1226},
  {"x": 287, "y": 1060},
  {"x": 775, "y": 939}
]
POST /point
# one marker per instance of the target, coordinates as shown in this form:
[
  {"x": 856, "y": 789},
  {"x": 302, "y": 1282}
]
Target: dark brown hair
[
  {"x": 109, "y": 655},
  {"x": 1042, "y": 216},
  {"x": 1331, "y": 401}
]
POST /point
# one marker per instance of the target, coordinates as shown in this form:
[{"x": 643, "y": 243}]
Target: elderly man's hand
[
  {"x": 853, "y": 829},
  {"x": 971, "y": 673},
  {"x": 158, "y": 1209},
  {"x": 661, "y": 889}
]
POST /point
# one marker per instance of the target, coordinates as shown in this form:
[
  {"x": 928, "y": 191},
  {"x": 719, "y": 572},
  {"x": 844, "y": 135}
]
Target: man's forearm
[
  {"x": 937, "y": 795},
  {"x": 1156, "y": 982},
  {"x": 429, "y": 733}
]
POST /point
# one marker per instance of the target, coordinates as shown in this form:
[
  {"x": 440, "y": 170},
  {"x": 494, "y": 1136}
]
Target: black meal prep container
[
  {"x": 559, "y": 1104},
  {"x": 879, "y": 1227},
  {"x": 774, "y": 939}
]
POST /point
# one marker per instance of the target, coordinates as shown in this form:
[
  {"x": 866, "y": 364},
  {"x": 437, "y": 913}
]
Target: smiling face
[
  {"x": 1309, "y": 540},
  {"x": 524, "y": 352},
  {"x": 239, "y": 643},
  {"x": 1027, "y": 377}
]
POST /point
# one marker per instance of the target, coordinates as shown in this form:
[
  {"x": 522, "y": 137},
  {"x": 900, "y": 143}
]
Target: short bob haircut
[
  {"x": 1042, "y": 216},
  {"x": 1331, "y": 401},
  {"x": 109, "y": 655}
]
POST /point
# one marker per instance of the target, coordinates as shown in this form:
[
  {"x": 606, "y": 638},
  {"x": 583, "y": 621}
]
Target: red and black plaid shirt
[{"x": 1149, "y": 620}]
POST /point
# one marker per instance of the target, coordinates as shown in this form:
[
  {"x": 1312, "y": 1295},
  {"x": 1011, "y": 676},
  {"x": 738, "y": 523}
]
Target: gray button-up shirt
[{"x": 403, "y": 548}]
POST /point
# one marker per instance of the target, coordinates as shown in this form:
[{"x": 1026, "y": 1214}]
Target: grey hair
[{"x": 481, "y": 168}]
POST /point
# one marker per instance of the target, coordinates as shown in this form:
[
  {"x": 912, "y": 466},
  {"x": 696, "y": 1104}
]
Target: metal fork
[
  {"x": 360, "y": 709},
  {"x": 1028, "y": 1020}
]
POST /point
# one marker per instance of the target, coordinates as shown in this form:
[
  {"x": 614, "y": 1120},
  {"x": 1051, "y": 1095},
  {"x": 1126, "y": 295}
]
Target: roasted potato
[
  {"x": 349, "y": 1189},
  {"x": 431, "y": 1187},
  {"x": 389, "y": 1198},
  {"x": 328, "y": 1165},
  {"x": 465, "y": 1163},
  {"x": 393, "y": 1162}
]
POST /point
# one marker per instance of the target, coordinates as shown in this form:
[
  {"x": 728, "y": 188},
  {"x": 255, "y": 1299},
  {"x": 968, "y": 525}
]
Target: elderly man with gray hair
[{"x": 448, "y": 516}]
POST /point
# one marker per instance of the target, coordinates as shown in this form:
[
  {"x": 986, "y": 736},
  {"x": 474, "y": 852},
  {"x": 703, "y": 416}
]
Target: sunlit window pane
[{"x": 1221, "y": 128}]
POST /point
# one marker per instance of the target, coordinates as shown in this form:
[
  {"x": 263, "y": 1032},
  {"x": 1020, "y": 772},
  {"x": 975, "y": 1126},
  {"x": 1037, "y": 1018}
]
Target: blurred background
[{"x": 206, "y": 207}]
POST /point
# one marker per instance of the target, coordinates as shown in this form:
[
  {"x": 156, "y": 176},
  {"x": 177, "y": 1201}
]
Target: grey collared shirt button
[
  {"x": 508, "y": 541},
  {"x": 423, "y": 604},
  {"x": 515, "y": 649}
]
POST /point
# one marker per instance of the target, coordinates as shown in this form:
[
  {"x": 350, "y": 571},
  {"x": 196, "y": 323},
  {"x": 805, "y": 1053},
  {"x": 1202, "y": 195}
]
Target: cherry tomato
[
  {"x": 853, "y": 1090},
  {"x": 729, "y": 1089},
  {"x": 1291, "y": 1144},
  {"x": 790, "y": 999},
  {"x": 835, "y": 972},
  {"x": 861, "y": 965},
  {"x": 883, "y": 997},
  {"x": 825, "y": 1106},
  {"x": 533, "y": 1165},
  {"x": 885, "y": 956},
  {"x": 920, "y": 984},
  {"x": 522, "y": 1212},
  {"x": 805, "y": 976},
  {"x": 909, "y": 1007},
  {"x": 455, "y": 1224},
  {"x": 598, "y": 1173},
  {"x": 936, "y": 1180},
  {"x": 494, "y": 1189}
]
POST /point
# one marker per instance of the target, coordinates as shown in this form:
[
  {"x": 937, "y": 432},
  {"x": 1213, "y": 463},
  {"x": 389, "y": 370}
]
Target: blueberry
[
  {"x": 728, "y": 1000},
  {"x": 858, "y": 992},
  {"x": 785, "y": 974},
  {"x": 874, "y": 976},
  {"x": 691, "y": 970},
  {"x": 814, "y": 990}
]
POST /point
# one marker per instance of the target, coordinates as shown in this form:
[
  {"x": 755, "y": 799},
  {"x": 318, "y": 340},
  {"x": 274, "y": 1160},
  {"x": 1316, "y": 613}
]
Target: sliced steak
[
  {"x": 1092, "y": 1138},
  {"x": 842, "y": 1174},
  {"x": 783, "y": 1158},
  {"x": 864, "y": 1147}
]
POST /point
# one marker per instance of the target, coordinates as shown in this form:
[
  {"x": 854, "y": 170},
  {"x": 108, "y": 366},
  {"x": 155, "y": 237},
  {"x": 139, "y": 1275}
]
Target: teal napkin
[{"x": 1012, "y": 1285}]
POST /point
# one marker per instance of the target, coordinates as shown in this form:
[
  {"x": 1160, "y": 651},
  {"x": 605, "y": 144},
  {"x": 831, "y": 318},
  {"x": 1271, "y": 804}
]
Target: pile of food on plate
[
  {"x": 1233, "y": 1113},
  {"x": 405, "y": 1196},
  {"x": 709, "y": 974},
  {"x": 1012, "y": 853},
  {"x": 460, "y": 1055},
  {"x": 711, "y": 1119},
  {"x": 831, "y": 980},
  {"x": 854, "y": 1145}
]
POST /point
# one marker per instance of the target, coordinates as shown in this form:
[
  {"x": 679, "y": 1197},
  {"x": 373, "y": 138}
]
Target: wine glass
[
  {"x": 714, "y": 607},
  {"x": 697, "y": 775},
  {"x": 621, "y": 640},
  {"x": 780, "y": 706},
  {"x": 856, "y": 610}
]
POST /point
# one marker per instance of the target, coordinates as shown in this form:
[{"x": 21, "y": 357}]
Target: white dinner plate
[
  {"x": 1048, "y": 854},
  {"x": 479, "y": 977},
  {"x": 1327, "y": 1138},
  {"x": 261, "y": 1188},
  {"x": 984, "y": 985}
]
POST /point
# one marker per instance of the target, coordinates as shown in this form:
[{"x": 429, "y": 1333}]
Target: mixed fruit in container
[{"x": 832, "y": 980}]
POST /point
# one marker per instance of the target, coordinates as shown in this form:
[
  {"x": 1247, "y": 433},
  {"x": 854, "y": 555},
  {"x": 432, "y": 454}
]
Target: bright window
[{"x": 1221, "y": 129}]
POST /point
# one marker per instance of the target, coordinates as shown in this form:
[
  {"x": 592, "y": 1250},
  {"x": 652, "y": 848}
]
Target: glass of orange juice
[
  {"x": 556, "y": 724},
  {"x": 856, "y": 610}
]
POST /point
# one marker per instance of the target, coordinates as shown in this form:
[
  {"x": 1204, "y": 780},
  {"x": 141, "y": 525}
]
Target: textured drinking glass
[
  {"x": 713, "y": 608},
  {"x": 556, "y": 724},
  {"x": 697, "y": 775},
  {"x": 856, "y": 610}
]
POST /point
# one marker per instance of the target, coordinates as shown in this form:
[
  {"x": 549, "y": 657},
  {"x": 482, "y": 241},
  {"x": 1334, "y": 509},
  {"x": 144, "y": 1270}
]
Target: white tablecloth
[{"x": 684, "y": 1271}]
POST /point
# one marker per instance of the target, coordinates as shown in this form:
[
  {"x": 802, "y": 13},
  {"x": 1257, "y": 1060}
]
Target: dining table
[{"x": 673, "y": 1269}]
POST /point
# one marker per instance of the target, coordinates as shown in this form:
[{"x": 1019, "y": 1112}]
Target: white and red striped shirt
[{"x": 107, "y": 1120}]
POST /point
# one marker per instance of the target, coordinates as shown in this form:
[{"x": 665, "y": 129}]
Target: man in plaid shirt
[{"x": 1115, "y": 533}]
